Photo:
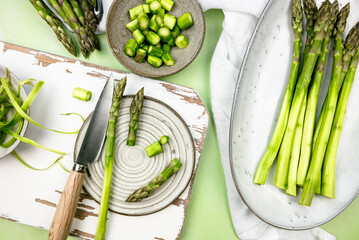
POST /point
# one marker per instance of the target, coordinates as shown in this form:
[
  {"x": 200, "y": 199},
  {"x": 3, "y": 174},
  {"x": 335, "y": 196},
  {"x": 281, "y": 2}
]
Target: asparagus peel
[
  {"x": 322, "y": 16},
  {"x": 313, "y": 177},
  {"x": 308, "y": 129},
  {"x": 274, "y": 144},
  {"x": 135, "y": 112},
  {"x": 109, "y": 158},
  {"x": 56, "y": 25},
  {"x": 148, "y": 190},
  {"x": 328, "y": 178}
]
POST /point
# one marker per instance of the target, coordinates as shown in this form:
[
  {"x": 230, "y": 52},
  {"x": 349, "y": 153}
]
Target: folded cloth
[
  {"x": 239, "y": 22},
  {"x": 240, "y": 19}
]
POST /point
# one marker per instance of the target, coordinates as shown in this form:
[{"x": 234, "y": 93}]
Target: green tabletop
[{"x": 208, "y": 215}]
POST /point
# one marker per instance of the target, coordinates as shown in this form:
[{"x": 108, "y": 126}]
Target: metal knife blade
[{"x": 96, "y": 132}]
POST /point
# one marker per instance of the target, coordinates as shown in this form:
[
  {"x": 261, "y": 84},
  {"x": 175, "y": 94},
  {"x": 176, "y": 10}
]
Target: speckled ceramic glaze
[
  {"x": 118, "y": 35},
  {"x": 260, "y": 89},
  {"x": 23, "y": 95},
  {"x": 134, "y": 169}
]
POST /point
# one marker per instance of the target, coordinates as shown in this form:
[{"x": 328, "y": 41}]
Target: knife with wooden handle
[{"x": 89, "y": 152}]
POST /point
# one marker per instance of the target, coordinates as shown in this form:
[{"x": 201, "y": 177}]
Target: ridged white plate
[
  {"x": 134, "y": 169},
  {"x": 23, "y": 95},
  {"x": 260, "y": 89}
]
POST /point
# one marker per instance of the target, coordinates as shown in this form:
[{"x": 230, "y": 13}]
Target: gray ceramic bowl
[{"x": 118, "y": 35}]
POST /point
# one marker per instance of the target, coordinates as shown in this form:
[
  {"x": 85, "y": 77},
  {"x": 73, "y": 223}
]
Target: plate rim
[
  {"x": 193, "y": 156},
  {"x": 154, "y": 74},
  {"x": 241, "y": 70}
]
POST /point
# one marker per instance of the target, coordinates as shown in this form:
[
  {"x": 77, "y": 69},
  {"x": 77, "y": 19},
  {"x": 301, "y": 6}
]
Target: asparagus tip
[
  {"x": 342, "y": 19},
  {"x": 297, "y": 15}
]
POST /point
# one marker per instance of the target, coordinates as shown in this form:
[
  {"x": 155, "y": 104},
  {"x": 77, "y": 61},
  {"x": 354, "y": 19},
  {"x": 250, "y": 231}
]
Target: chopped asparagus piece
[
  {"x": 171, "y": 42},
  {"x": 154, "y": 61},
  {"x": 181, "y": 41},
  {"x": 138, "y": 36},
  {"x": 159, "y": 21},
  {"x": 155, "y": 51},
  {"x": 155, "y": 7},
  {"x": 169, "y": 21},
  {"x": 164, "y": 140},
  {"x": 82, "y": 94},
  {"x": 140, "y": 55},
  {"x": 154, "y": 149},
  {"x": 161, "y": 12},
  {"x": 153, "y": 38},
  {"x": 133, "y": 25},
  {"x": 167, "y": 59},
  {"x": 185, "y": 21},
  {"x": 135, "y": 11},
  {"x": 166, "y": 48},
  {"x": 164, "y": 33},
  {"x": 131, "y": 47},
  {"x": 146, "y": 8},
  {"x": 176, "y": 31},
  {"x": 153, "y": 25},
  {"x": 143, "y": 20},
  {"x": 167, "y": 4}
]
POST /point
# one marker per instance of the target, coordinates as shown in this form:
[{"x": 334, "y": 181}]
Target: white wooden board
[{"x": 30, "y": 197}]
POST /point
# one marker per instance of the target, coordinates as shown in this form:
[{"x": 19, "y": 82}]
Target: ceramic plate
[
  {"x": 23, "y": 95},
  {"x": 134, "y": 169},
  {"x": 118, "y": 35},
  {"x": 259, "y": 93}
]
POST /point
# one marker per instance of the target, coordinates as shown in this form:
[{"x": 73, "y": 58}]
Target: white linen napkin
[{"x": 240, "y": 19}]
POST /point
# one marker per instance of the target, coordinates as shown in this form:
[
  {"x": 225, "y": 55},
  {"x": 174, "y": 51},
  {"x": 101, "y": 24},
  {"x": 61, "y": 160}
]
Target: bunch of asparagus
[
  {"x": 307, "y": 154},
  {"x": 79, "y": 16}
]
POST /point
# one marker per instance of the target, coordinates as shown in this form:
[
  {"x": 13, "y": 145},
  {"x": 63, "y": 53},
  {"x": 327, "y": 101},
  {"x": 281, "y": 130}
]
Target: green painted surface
[{"x": 208, "y": 215}]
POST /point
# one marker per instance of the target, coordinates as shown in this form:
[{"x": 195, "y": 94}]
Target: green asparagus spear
[
  {"x": 148, "y": 190},
  {"x": 272, "y": 150},
  {"x": 301, "y": 89},
  {"x": 55, "y": 24},
  {"x": 109, "y": 158},
  {"x": 135, "y": 112},
  {"x": 78, "y": 11},
  {"x": 294, "y": 157},
  {"x": 87, "y": 39},
  {"x": 314, "y": 172},
  {"x": 90, "y": 18},
  {"x": 328, "y": 178},
  {"x": 310, "y": 9},
  {"x": 309, "y": 121}
]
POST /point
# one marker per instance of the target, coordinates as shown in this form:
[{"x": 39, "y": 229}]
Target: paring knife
[{"x": 89, "y": 152}]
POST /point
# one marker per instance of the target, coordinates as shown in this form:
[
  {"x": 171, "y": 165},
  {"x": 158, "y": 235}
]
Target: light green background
[{"x": 208, "y": 215}]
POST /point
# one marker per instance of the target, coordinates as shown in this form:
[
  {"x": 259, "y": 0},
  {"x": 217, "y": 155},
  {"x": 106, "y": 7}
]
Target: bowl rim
[{"x": 154, "y": 74}]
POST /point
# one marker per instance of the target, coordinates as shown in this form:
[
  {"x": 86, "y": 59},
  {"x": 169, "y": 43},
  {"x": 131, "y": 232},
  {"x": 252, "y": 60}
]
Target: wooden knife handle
[{"x": 66, "y": 208}]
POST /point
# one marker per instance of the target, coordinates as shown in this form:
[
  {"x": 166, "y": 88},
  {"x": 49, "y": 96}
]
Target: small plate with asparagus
[
  {"x": 152, "y": 159},
  {"x": 294, "y": 127},
  {"x": 155, "y": 38}
]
